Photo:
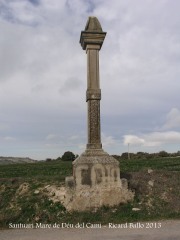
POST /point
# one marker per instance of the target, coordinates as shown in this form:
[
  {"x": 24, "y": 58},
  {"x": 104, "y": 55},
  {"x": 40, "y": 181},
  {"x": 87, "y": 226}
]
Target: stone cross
[
  {"x": 91, "y": 40},
  {"x": 96, "y": 175}
]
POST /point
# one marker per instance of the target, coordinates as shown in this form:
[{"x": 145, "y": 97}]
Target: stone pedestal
[
  {"x": 96, "y": 175},
  {"x": 96, "y": 168}
]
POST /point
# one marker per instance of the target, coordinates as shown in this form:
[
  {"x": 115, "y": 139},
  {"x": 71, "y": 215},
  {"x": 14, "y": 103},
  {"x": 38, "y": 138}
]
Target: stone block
[
  {"x": 96, "y": 183},
  {"x": 70, "y": 183}
]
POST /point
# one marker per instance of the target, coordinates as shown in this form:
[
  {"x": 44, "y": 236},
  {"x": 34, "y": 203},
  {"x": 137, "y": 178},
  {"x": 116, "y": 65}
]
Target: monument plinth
[{"x": 96, "y": 175}]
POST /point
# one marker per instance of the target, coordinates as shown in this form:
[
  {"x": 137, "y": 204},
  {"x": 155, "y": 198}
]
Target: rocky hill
[{"x": 13, "y": 160}]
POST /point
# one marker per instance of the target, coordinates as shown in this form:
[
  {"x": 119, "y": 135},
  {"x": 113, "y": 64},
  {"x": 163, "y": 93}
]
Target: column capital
[
  {"x": 93, "y": 94},
  {"x": 92, "y": 47},
  {"x": 92, "y": 35}
]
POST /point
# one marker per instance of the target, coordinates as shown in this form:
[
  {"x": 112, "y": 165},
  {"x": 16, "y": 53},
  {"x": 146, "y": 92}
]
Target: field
[{"x": 24, "y": 197}]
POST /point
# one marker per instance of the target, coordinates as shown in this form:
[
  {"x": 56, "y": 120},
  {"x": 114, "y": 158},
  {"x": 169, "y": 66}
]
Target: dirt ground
[{"x": 156, "y": 188}]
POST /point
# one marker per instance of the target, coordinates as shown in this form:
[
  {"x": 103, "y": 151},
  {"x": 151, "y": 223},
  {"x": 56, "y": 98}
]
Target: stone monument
[{"x": 96, "y": 175}]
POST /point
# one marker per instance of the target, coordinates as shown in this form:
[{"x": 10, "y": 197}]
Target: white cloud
[
  {"x": 74, "y": 137},
  {"x": 82, "y": 147},
  {"x": 51, "y": 137},
  {"x": 108, "y": 141},
  {"x": 159, "y": 138},
  {"x": 133, "y": 140},
  {"x": 20, "y": 11},
  {"x": 172, "y": 119},
  {"x": 153, "y": 139}
]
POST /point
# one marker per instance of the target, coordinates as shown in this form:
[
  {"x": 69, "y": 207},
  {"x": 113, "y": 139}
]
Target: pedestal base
[{"x": 95, "y": 182}]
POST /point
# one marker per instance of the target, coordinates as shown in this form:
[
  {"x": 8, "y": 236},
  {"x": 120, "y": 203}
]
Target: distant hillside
[{"x": 13, "y": 160}]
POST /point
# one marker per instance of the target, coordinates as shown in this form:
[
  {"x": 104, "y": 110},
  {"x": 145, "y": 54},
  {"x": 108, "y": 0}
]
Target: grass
[
  {"x": 54, "y": 170},
  {"x": 19, "y": 202},
  {"x": 169, "y": 164},
  {"x": 59, "y": 170}
]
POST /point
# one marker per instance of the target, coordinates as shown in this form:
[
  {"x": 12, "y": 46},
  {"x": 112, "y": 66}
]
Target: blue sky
[{"x": 43, "y": 76}]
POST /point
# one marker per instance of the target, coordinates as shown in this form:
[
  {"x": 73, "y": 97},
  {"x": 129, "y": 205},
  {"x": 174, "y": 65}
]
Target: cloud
[
  {"x": 51, "y": 137},
  {"x": 153, "y": 139},
  {"x": 35, "y": 2},
  {"x": 43, "y": 73},
  {"x": 133, "y": 140},
  {"x": 71, "y": 84},
  {"x": 74, "y": 137},
  {"x": 172, "y": 119},
  {"x": 160, "y": 138},
  {"x": 20, "y": 11},
  {"x": 108, "y": 141}
]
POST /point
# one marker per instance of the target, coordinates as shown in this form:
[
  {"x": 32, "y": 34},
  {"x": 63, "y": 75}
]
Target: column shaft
[
  {"x": 94, "y": 131},
  {"x": 93, "y": 97}
]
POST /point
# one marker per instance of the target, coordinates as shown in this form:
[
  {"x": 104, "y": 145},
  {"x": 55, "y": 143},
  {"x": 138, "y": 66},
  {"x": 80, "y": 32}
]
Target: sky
[{"x": 43, "y": 76}]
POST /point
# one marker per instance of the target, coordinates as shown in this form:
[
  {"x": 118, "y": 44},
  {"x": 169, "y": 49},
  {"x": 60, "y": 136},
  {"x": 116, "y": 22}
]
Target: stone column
[
  {"x": 96, "y": 175},
  {"x": 91, "y": 40}
]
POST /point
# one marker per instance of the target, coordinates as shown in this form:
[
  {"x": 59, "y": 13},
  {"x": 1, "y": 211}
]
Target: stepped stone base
[{"x": 95, "y": 182}]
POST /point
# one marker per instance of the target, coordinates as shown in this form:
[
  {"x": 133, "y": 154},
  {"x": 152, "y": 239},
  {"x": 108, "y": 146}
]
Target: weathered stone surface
[
  {"x": 97, "y": 182},
  {"x": 93, "y": 94},
  {"x": 70, "y": 183},
  {"x": 102, "y": 170},
  {"x": 23, "y": 188},
  {"x": 55, "y": 193},
  {"x": 94, "y": 135},
  {"x": 95, "y": 156},
  {"x": 88, "y": 198},
  {"x": 96, "y": 175},
  {"x": 92, "y": 34},
  {"x": 93, "y": 24}
]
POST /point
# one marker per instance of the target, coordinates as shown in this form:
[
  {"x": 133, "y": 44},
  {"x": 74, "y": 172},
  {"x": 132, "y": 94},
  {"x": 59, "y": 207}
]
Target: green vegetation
[
  {"x": 133, "y": 165},
  {"x": 24, "y": 197},
  {"x": 44, "y": 171},
  {"x": 145, "y": 155},
  {"x": 68, "y": 156}
]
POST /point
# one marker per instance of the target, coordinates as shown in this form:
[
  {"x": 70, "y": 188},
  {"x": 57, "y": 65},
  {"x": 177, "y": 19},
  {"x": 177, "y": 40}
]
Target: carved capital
[
  {"x": 92, "y": 38},
  {"x": 93, "y": 94},
  {"x": 94, "y": 146}
]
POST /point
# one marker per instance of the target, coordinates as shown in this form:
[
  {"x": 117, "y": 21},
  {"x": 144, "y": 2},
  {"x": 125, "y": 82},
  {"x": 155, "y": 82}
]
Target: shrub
[{"x": 68, "y": 156}]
